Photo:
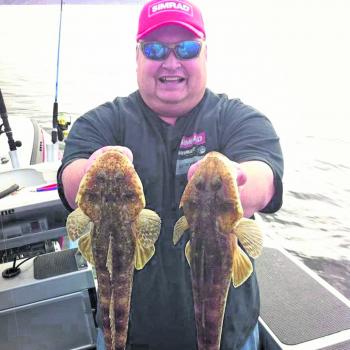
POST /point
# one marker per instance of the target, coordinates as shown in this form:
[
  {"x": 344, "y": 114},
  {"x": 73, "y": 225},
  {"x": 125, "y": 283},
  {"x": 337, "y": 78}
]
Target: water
[{"x": 288, "y": 59}]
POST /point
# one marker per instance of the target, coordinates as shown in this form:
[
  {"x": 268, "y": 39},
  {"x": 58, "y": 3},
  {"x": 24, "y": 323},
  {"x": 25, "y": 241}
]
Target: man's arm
[
  {"x": 71, "y": 177},
  {"x": 258, "y": 190}
]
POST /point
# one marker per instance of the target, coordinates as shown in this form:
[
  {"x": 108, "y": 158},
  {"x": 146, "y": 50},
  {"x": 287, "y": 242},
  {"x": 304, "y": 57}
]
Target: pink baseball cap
[{"x": 157, "y": 13}]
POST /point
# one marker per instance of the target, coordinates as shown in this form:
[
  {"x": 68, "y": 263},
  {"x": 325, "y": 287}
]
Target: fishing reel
[
  {"x": 6, "y": 129},
  {"x": 62, "y": 126}
]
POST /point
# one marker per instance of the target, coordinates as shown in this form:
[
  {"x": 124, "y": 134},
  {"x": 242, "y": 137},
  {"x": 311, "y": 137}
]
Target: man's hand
[
  {"x": 125, "y": 150},
  {"x": 75, "y": 171}
]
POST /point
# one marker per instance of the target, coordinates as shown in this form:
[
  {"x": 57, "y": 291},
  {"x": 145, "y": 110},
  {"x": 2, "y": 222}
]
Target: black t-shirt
[{"x": 162, "y": 314}]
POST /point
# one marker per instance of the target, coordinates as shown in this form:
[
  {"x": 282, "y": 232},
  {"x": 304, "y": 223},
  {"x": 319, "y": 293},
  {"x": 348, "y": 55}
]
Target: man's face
[{"x": 171, "y": 87}]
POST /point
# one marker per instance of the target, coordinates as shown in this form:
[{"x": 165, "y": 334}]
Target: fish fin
[
  {"x": 250, "y": 235},
  {"x": 180, "y": 227},
  {"x": 84, "y": 245},
  {"x": 148, "y": 224},
  {"x": 242, "y": 267},
  {"x": 188, "y": 252},
  {"x": 143, "y": 254},
  {"x": 109, "y": 261},
  {"x": 77, "y": 224}
]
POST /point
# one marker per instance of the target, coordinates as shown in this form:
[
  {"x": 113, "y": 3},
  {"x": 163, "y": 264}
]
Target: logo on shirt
[
  {"x": 170, "y": 6},
  {"x": 190, "y": 141},
  {"x": 192, "y": 148}
]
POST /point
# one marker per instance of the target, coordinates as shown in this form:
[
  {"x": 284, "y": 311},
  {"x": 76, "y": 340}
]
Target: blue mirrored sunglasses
[{"x": 185, "y": 50}]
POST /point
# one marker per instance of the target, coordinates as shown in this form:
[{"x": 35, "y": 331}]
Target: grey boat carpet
[{"x": 294, "y": 305}]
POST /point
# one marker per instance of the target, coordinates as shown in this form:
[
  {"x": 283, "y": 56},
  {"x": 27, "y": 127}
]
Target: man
[{"x": 165, "y": 128}]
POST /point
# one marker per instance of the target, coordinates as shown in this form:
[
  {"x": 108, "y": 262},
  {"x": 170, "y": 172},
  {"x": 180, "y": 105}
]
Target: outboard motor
[{"x": 5, "y": 128}]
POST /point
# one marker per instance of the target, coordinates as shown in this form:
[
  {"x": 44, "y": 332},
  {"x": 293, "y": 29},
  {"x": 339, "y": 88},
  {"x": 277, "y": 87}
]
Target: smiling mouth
[{"x": 171, "y": 79}]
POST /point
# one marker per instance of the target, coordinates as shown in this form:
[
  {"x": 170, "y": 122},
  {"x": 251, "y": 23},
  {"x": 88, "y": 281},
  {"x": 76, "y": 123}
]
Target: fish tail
[
  {"x": 123, "y": 262},
  {"x": 120, "y": 314},
  {"x": 104, "y": 302},
  {"x": 209, "y": 316},
  {"x": 104, "y": 283},
  {"x": 211, "y": 278}
]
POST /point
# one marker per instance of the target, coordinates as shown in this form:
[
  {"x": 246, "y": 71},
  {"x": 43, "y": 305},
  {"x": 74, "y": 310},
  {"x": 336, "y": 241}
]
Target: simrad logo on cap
[{"x": 176, "y": 6}]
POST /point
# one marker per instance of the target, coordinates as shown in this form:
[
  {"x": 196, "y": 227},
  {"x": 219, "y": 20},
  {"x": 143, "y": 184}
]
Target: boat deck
[{"x": 299, "y": 310}]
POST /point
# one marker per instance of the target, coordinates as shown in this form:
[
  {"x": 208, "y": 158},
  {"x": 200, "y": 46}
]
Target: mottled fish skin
[
  {"x": 212, "y": 207},
  {"x": 111, "y": 195}
]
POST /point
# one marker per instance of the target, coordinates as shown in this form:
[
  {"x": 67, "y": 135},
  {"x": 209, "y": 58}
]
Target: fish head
[
  {"x": 111, "y": 180},
  {"x": 211, "y": 196}
]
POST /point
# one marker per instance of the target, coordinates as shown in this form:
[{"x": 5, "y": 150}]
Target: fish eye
[
  {"x": 200, "y": 184},
  {"x": 129, "y": 196},
  {"x": 92, "y": 197},
  {"x": 192, "y": 204},
  {"x": 225, "y": 207},
  {"x": 100, "y": 177},
  {"x": 119, "y": 175},
  {"x": 216, "y": 183}
]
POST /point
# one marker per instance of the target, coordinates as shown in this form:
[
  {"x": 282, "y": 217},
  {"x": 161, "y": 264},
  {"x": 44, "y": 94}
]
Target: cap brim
[{"x": 191, "y": 28}]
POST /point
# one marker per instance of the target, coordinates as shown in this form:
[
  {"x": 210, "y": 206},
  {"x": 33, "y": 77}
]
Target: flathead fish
[
  {"x": 214, "y": 215},
  {"x": 116, "y": 234}
]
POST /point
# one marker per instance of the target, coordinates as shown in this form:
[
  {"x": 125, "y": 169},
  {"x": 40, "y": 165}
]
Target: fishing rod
[
  {"x": 5, "y": 128},
  {"x": 58, "y": 126},
  {"x": 54, "y": 133}
]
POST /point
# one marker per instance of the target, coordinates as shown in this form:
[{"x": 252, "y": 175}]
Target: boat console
[
  {"x": 47, "y": 292},
  {"x": 31, "y": 223}
]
